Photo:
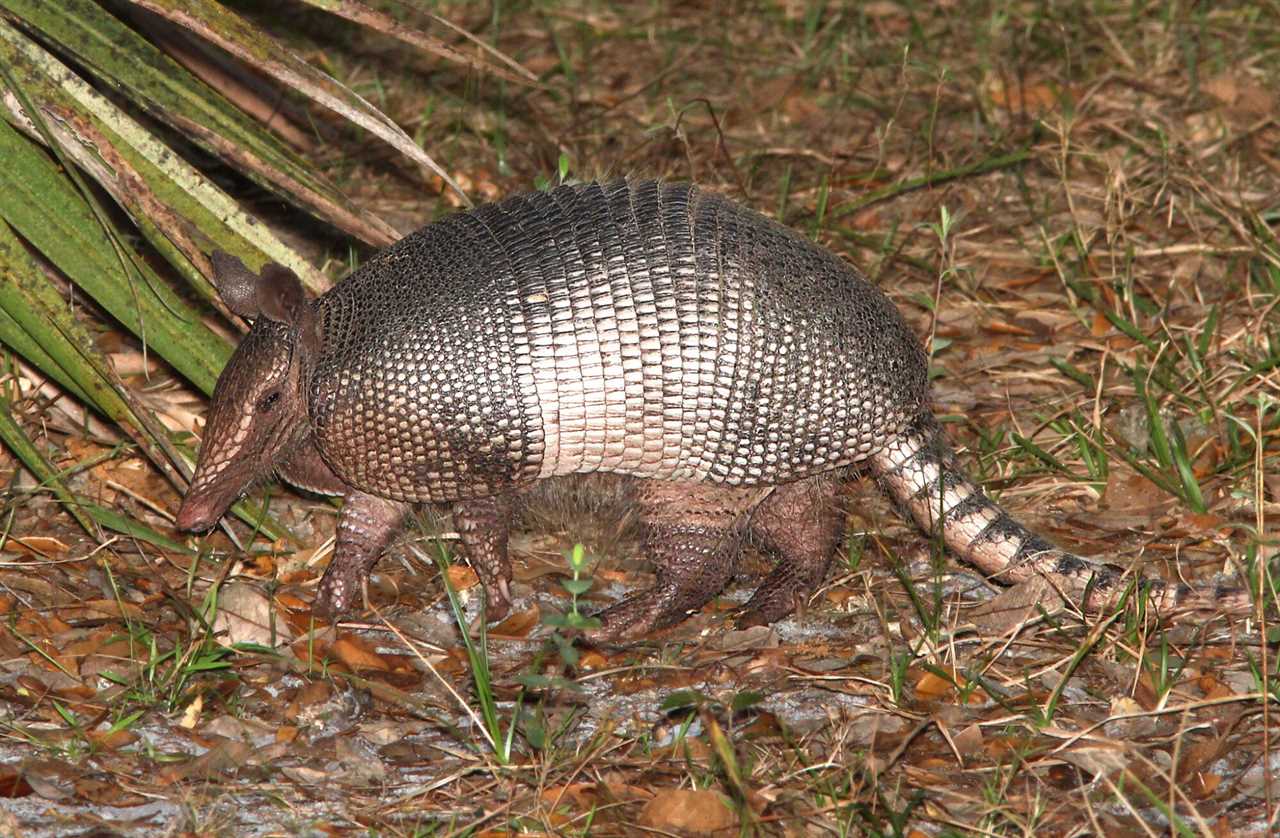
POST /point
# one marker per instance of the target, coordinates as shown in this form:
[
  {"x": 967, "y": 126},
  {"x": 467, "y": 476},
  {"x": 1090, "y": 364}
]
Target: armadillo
[{"x": 737, "y": 371}]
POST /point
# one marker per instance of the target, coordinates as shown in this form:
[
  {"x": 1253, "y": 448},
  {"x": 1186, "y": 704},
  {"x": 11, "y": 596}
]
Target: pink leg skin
[
  {"x": 800, "y": 524},
  {"x": 483, "y": 525},
  {"x": 365, "y": 529},
  {"x": 693, "y": 534}
]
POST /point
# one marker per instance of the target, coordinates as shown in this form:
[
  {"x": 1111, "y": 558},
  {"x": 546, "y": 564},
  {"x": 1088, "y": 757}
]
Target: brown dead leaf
[
  {"x": 1032, "y": 97},
  {"x": 1241, "y": 96},
  {"x": 1100, "y": 326},
  {"x": 462, "y": 578},
  {"x": 106, "y": 792},
  {"x": 764, "y": 726},
  {"x": 309, "y": 695},
  {"x": 519, "y": 624},
  {"x": 33, "y": 687},
  {"x": 1201, "y": 786},
  {"x": 1196, "y": 756},
  {"x": 689, "y": 812},
  {"x": 1129, "y": 492},
  {"x": 969, "y": 740},
  {"x": 756, "y": 637},
  {"x": 37, "y": 545},
  {"x": 932, "y": 686},
  {"x": 113, "y": 740},
  {"x": 98, "y": 608},
  {"x": 1100, "y": 759},
  {"x": 1014, "y": 606},
  {"x": 592, "y": 660},
  {"x": 245, "y": 616},
  {"x": 292, "y": 601},
  {"x": 39, "y": 588},
  {"x": 227, "y": 755},
  {"x": 358, "y": 654},
  {"x": 1002, "y": 327},
  {"x": 1213, "y": 688},
  {"x": 1201, "y": 523},
  {"x": 12, "y": 784},
  {"x": 579, "y": 795}
]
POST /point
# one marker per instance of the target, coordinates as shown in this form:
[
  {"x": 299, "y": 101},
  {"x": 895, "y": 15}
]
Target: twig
[{"x": 875, "y": 196}]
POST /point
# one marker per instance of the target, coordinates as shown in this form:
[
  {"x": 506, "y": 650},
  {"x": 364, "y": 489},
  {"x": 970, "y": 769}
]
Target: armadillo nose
[{"x": 194, "y": 516}]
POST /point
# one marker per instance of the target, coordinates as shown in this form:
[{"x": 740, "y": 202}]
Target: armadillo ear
[
  {"x": 236, "y": 284},
  {"x": 282, "y": 298},
  {"x": 280, "y": 295}
]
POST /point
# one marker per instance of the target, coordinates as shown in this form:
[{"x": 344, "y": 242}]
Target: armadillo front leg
[
  {"x": 365, "y": 528},
  {"x": 693, "y": 534},
  {"x": 800, "y": 524},
  {"x": 483, "y": 525}
]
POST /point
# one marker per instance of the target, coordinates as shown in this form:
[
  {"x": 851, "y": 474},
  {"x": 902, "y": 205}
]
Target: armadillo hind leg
[
  {"x": 919, "y": 470},
  {"x": 693, "y": 534},
  {"x": 483, "y": 525},
  {"x": 799, "y": 525},
  {"x": 365, "y": 528}
]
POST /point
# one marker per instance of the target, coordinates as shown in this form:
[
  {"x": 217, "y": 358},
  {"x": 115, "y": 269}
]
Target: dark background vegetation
[{"x": 1075, "y": 203}]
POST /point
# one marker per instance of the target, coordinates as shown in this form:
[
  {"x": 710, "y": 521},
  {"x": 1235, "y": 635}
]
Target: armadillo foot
[
  {"x": 365, "y": 528},
  {"x": 799, "y": 525},
  {"x": 693, "y": 533},
  {"x": 483, "y": 525},
  {"x": 638, "y": 615},
  {"x": 694, "y": 564}
]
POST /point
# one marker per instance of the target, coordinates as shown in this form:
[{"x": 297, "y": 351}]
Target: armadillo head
[{"x": 259, "y": 412}]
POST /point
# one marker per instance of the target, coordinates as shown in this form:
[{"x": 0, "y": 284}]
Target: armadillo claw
[
  {"x": 637, "y": 615},
  {"x": 784, "y": 592},
  {"x": 497, "y": 601}
]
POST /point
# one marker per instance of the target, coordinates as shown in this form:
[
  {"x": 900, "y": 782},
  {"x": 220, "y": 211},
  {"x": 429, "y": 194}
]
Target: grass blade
[
  {"x": 25, "y": 450},
  {"x": 387, "y": 25}
]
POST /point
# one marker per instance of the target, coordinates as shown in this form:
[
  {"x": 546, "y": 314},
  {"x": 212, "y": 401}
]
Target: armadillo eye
[{"x": 269, "y": 400}]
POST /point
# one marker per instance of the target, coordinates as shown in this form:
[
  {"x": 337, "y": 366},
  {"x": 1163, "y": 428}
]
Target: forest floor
[{"x": 1076, "y": 205}]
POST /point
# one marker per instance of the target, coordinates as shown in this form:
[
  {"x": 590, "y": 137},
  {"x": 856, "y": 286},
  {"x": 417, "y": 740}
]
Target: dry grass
[{"x": 1103, "y": 310}]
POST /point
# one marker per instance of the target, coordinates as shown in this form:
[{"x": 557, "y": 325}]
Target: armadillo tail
[{"x": 919, "y": 470}]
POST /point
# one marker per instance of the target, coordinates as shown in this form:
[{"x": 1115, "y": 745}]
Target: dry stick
[
  {"x": 1264, "y": 590},
  {"x": 721, "y": 146},
  {"x": 387, "y": 25},
  {"x": 982, "y": 167}
]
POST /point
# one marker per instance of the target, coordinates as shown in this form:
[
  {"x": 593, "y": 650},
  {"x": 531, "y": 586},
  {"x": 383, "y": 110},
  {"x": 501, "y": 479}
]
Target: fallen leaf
[
  {"x": 13, "y": 784},
  {"x": 107, "y": 792},
  {"x": 1202, "y": 786},
  {"x": 969, "y": 740},
  {"x": 38, "y": 545},
  {"x": 756, "y": 637},
  {"x": 688, "y": 812},
  {"x": 462, "y": 578},
  {"x": 1015, "y": 605},
  {"x": 592, "y": 660},
  {"x": 191, "y": 713},
  {"x": 245, "y": 616},
  {"x": 519, "y": 624},
  {"x": 1133, "y": 493},
  {"x": 358, "y": 654},
  {"x": 933, "y": 686},
  {"x": 225, "y": 756}
]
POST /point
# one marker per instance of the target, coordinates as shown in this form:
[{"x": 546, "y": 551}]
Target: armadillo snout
[{"x": 197, "y": 514}]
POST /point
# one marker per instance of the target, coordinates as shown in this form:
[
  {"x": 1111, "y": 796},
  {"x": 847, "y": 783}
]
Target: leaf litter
[{"x": 137, "y": 701}]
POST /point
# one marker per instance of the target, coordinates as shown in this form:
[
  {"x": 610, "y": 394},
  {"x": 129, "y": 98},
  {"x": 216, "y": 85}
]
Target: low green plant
[{"x": 500, "y": 740}]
